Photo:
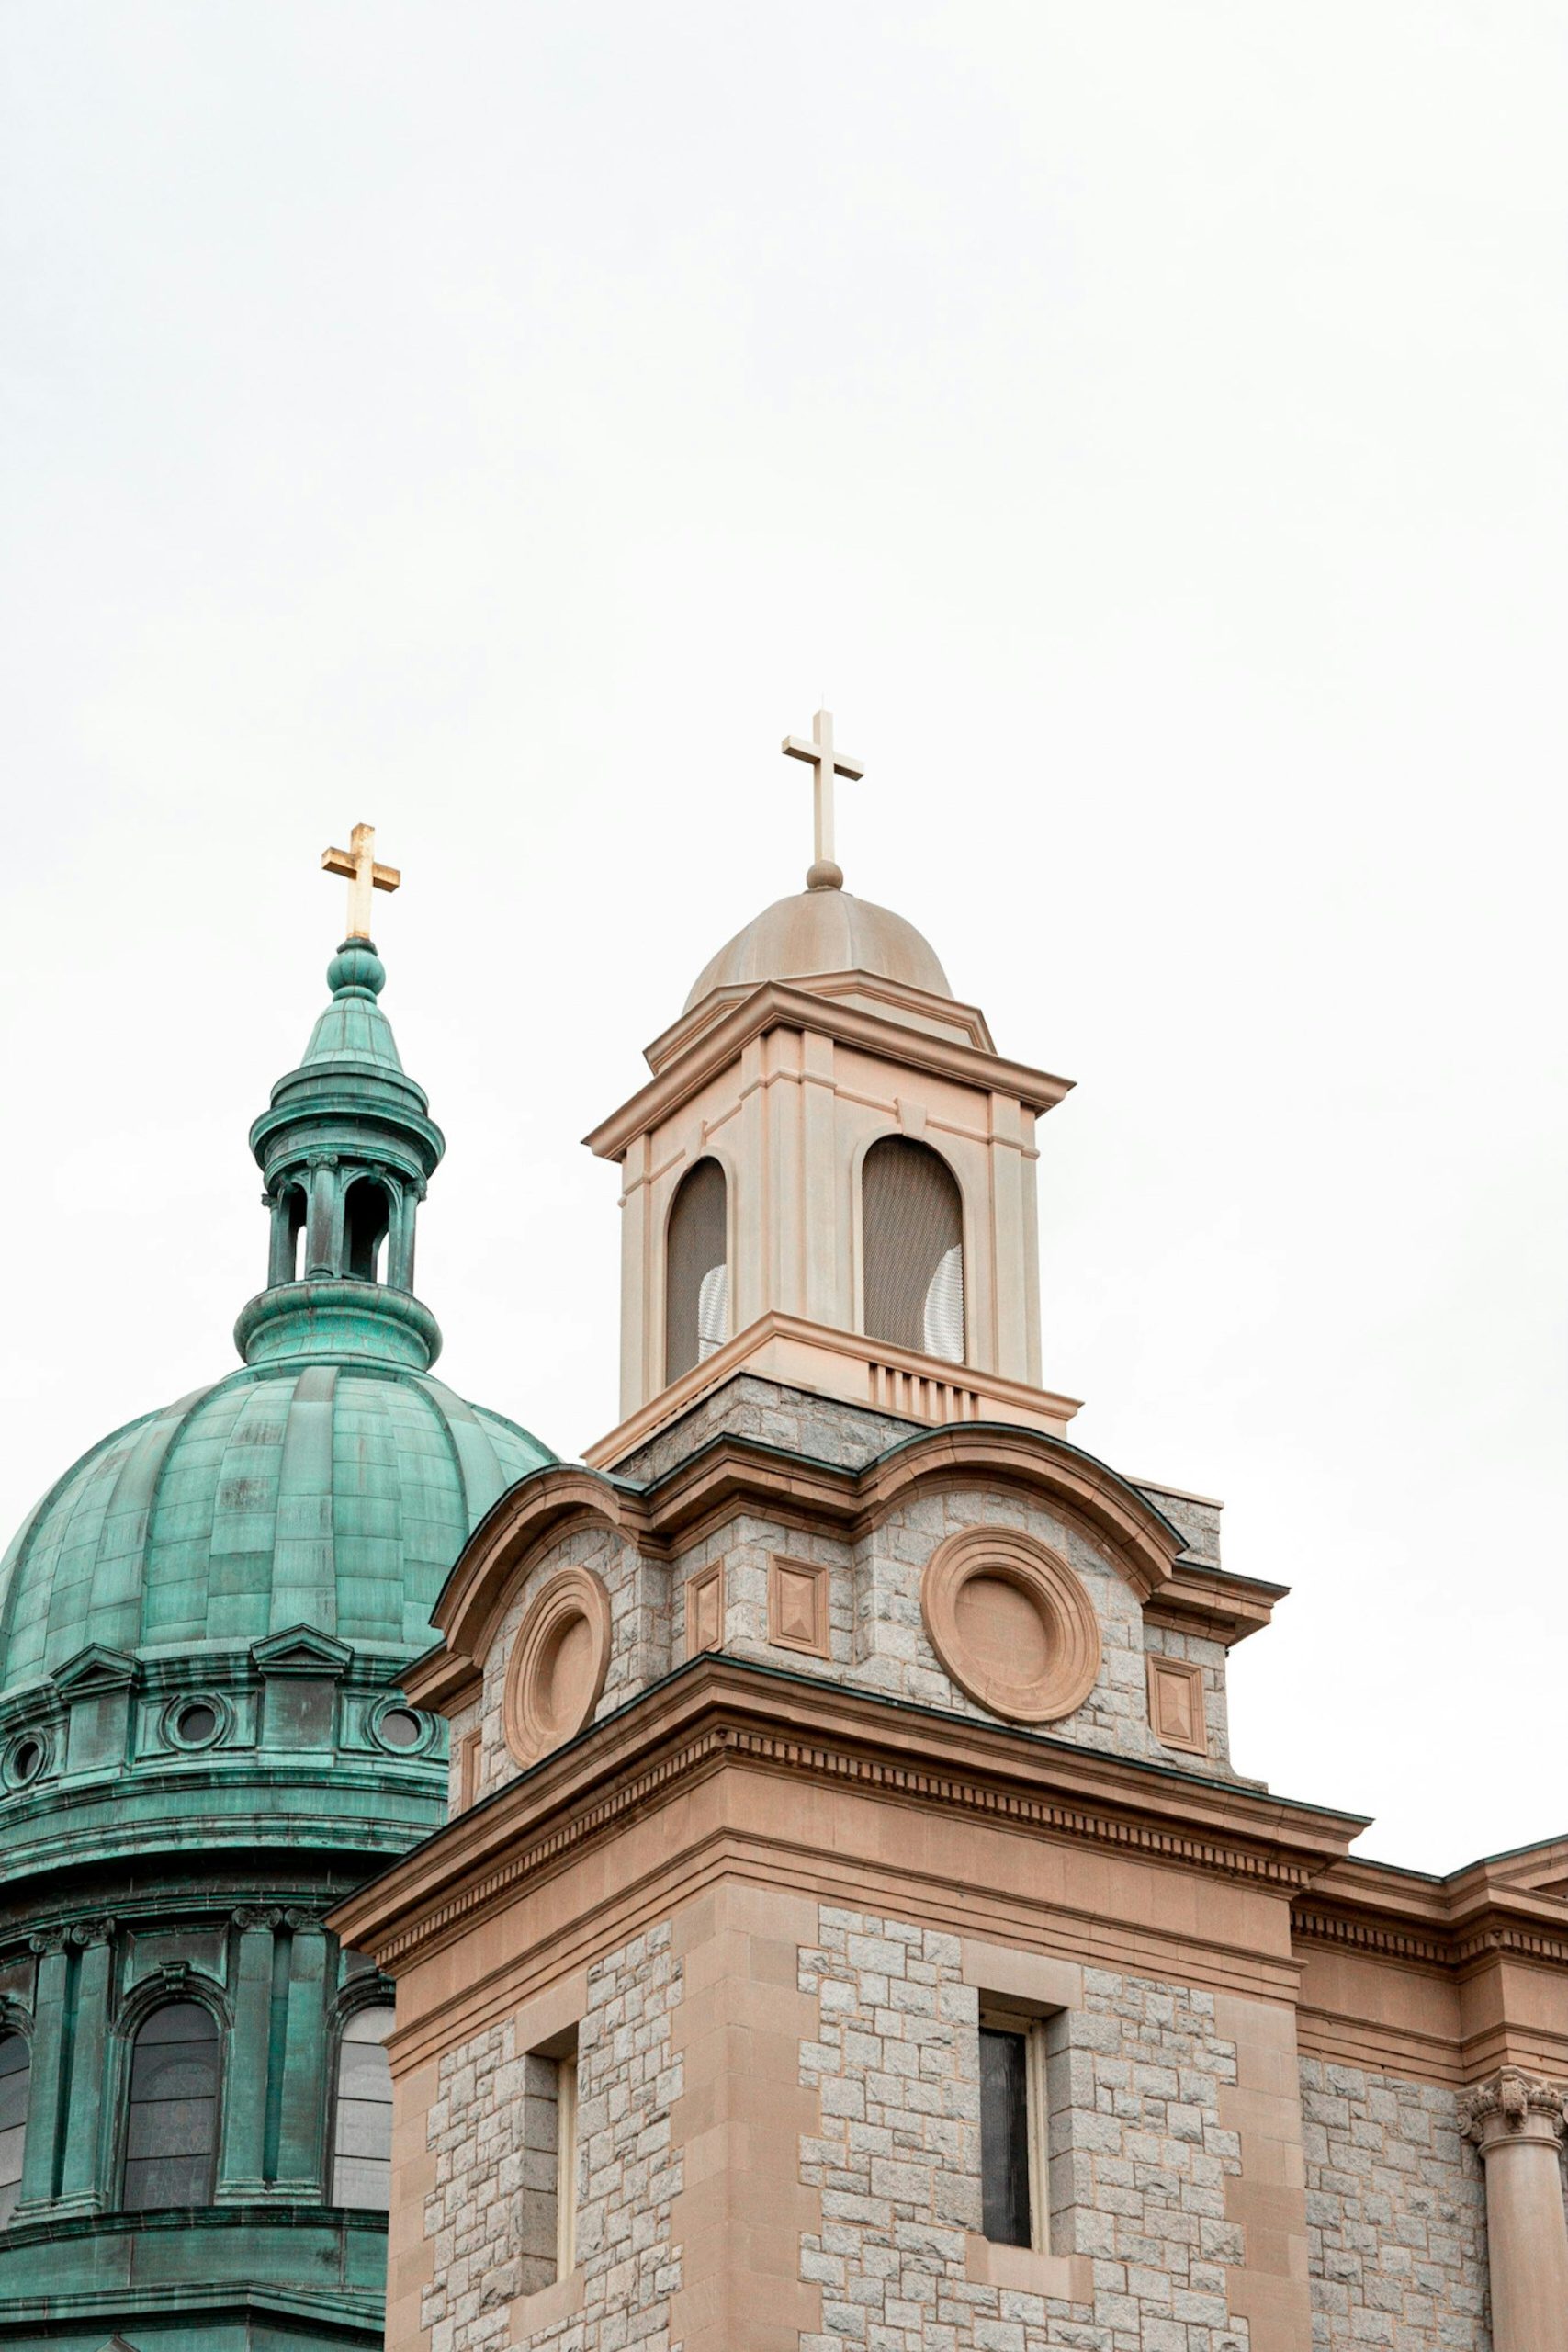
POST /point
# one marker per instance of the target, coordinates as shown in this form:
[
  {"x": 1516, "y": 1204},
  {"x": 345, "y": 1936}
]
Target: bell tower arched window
[
  {"x": 912, "y": 1219},
  {"x": 16, "y": 2071},
  {"x": 696, "y": 1276},
  {"x": 362, "y": 2113},
  {"x": 171, "y": 2137}
]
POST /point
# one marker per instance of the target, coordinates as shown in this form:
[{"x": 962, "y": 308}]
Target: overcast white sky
[{"x": 1144, "y": 424}]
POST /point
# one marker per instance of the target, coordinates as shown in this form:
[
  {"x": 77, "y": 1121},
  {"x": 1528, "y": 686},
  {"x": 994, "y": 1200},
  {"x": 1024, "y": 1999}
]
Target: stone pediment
[
  {"x": 301, "y": 1649},
  {"x": 97, "y": 1668}
]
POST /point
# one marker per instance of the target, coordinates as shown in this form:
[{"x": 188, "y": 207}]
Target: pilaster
[
  {"x": 299, "y": 2152},
  {"x": 46, "y": 2090},
  {"x": 82, "y": 2186},
  {"x": 241, "y": 2164}
]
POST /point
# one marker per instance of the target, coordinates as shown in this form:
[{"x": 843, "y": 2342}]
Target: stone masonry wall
[
  {"x": 1396, "y": 2215},
  {"x": 1137, "y": 2167},
  {"x": 486, "y": 2204}
]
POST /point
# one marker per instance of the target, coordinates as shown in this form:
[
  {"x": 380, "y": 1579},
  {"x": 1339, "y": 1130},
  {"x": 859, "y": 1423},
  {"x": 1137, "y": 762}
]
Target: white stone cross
[
  {"x": 364, "y": 877},
  {"x": 826, "y": 764}
]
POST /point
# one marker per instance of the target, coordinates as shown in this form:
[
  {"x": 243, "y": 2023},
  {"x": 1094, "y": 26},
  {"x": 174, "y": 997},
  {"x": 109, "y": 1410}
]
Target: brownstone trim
[
  {"x": 705, "y": 1610},
  {"x": 1175, "y": 1687},
  {"x": 798, "y": 1611},
  {"x": 720, "y": 1712}
]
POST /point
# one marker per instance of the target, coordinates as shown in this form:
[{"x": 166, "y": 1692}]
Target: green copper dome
[{"x": 330, "y": 1496}]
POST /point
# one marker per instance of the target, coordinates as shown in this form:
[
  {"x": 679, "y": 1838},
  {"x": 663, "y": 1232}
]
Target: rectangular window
[
  {"x": 1012, "y": 2129},
  {"x": 566, "y": 2166}
]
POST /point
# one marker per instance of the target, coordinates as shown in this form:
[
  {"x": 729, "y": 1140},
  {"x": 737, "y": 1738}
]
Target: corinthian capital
[{"x": 1512, "y": 2105}]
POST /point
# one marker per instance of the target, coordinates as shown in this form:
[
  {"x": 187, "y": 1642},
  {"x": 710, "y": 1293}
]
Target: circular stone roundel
[
  {"x": 558, "y": 1665},
  {"x": 1011, "y": 1623}
]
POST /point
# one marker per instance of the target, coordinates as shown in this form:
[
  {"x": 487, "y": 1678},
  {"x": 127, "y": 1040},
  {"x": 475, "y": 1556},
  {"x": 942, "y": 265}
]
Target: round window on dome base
[
  {"x": 195, "y": 1720},
  {"x": 1011, "y": 1624},
  {"x": 558, "y": 1666},
  {"x": 395, "y": 1727}
]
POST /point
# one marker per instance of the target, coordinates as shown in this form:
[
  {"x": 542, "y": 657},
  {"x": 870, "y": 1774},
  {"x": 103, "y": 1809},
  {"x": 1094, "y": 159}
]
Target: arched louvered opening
[
  {"x": 171, "y": 2138},
  {"x": 365, "y": 1214},
  {"x": 697, "y": 1269},
  {"x": 16, "y": 2072},
  {"x": 912, "y": 1218},
  {"x": 362, "y": 2113}
]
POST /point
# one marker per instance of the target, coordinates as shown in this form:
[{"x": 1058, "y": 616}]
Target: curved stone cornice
[{"x": 731, "y": 1474}]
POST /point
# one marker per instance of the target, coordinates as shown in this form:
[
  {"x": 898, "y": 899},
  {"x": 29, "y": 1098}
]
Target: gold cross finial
[
  {"x": 826, "y": 764},
  {"x": 364, "y": 877}
]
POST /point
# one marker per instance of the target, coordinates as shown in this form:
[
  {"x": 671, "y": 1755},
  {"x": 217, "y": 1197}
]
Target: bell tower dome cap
[{"x": 819, "y": 931}]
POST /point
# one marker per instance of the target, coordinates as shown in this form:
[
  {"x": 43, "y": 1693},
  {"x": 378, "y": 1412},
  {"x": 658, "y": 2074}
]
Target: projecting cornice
[
  {"x": 775, "y": 1005},
  {"x": 721, "y": 1716}
]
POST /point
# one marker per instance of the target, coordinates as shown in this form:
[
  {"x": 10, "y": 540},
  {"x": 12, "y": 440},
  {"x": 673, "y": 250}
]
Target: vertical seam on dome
[{"x": 154, "y": 1444}]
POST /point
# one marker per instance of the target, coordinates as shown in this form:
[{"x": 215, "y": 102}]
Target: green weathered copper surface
[
  {"x": 326, "y": 1494},
  {"x": 269, "y": 1546}
]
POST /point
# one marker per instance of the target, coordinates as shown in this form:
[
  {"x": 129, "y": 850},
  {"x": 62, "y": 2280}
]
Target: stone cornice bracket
[{"x": 1512, "y": 2106}]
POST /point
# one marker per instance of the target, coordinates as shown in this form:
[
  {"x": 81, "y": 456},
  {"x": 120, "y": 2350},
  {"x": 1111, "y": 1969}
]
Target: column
[
  {"x": 1518, "y": 2124},
  {"x": 45, "y": 2089},
  {"x": 277, "y": 1253},
  {"x": 80, "y": 2186},
  {"x": 321, "y": 1232},
  {"x": 240, "y": 2172},
  {"x": 300, "y": 2150}
]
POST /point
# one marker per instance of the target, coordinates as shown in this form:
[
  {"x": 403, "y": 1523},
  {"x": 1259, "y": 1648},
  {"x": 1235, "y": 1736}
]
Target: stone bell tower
[
  {"x": 829, "y": 1179},
  {"x": 852, "y": 1929}
]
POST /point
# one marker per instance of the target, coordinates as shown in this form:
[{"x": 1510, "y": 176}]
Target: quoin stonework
[{"x": 779, "y": 1883}]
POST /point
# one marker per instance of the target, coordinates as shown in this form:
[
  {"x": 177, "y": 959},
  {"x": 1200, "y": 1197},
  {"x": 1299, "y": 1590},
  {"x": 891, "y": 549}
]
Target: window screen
[
  {"x": 15, "y": 2070},
  {"x": 696, "y": 1279},
  {"x": 362, "y": 2126},
  {"x": 913, "y": 1222},
  {"x": 1004, "y": 2137},
  {"x": 171, "y": 2130}
]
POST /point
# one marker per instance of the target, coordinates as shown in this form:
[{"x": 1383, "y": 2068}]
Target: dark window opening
[
  {"x": 697, "y": 1269},
  {"x": 197, "y": 1723},
  {"x": 295, "y": 1204},
  {"x": 362, "y": 2122},
  {"x": 1004, "y": 2137},
  {"x": 399, "y": 1727},
  {"x": 16, "y": 2072},
  {"x": 171, "y": 2138},
  {"x": 912, "y": 1221},
  {"x": 365, "y": 1214}
]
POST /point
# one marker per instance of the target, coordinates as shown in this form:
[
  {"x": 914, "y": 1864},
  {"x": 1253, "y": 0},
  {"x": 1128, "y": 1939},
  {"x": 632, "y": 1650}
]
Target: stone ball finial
[
  {"x": 825, "y": 875},
  {"x": 356, "y": 970}
]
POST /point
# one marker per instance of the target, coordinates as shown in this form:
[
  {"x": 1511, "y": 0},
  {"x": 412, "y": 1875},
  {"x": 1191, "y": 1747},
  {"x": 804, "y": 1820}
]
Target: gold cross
[
  {"x": 826, "y": 764},
  {"x": 364, "y": 877}
]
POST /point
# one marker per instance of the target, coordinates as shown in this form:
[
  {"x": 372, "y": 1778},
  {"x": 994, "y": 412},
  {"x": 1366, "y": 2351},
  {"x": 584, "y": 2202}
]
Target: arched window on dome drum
[
  {"x": 362, "y": 2113},
  {"x": 16, "y": 2072},
  {"x": 171, "y": 2138},
  {"x": 912, "y": 1220},
  {"x": 365, "y": 1215},
  {"x": 697, "y": 1269}
]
